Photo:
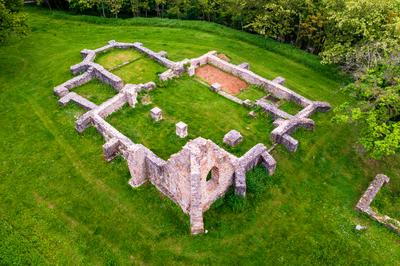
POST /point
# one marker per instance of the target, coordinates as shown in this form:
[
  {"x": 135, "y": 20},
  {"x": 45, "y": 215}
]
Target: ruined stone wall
[
  {"x": 250, "y": 77},
  {"x": 183, "y": 177},
  {"x": 159, "y": 57},
  {"x": 364, "y": 204}
]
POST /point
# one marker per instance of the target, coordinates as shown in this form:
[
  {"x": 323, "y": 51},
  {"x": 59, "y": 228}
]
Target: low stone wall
[
  {"x": 313, "y": 108},
  {"x": 287, "y": 127},
  {"x": 364, "y": 204},
  {"x": 371, "y": 192},
  {"x": 107, "y": 77},
  {"x": 63, "y": 89},
  {"x": 273, "y": 110},
  {"x": 81, "y": 101},
  {"x": 156, "y": 56},
  {"x": 230, "y": 97},
  {"x": 250, "y": 77}
]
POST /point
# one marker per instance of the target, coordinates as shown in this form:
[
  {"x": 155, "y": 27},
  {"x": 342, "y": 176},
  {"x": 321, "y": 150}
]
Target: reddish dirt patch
[{"x": 229, "y": 83}]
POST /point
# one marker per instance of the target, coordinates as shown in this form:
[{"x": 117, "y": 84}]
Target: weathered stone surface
[
  {"x": 230, "y": 97},
  {"x": 233, "y": 138},
  {"x": 130, "y": 91},
  {"x": 107, "y": 77},
  {"x": 279, "y": 80},
  {"x": 273, "y": 110},
  {"x": 313, "y": 108},
  {"x": 163, "y": 53},
  {"x": 63, "y": 89},
  {"x": 191, "y": 71},
  {"x": 156, "y": 114},
  {"x": 369, "y": 195},
  {"x": 256, "y": 155},
  {"x": 288, "y": 126},
  {"x": 252, "y": 114},
  {"x": 289, "y": 142},
  {"x": 181, "y": 129},
  {"x": 81, "y": 101},
  {"x": 111, "y": 149},
  {"x": 60, "y": 91},
  {"x": 156, "y": 56},
  {"x": 248, "y": 104},
  {"x": 244, "y": 65},
  {"x": 83, "y": 122},
  {"x": 216, "y": 87},
  {"x": 166, "y": 75}
]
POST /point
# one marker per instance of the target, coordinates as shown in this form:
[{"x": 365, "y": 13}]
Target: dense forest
[{"x": 363, "y": 37}]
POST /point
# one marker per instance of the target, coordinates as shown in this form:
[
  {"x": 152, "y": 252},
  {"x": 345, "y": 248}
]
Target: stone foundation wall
[
  {"x": 364, "y": 204},
  {"x": 250, "y": 77},
  {"x": 156, "y": 56}
]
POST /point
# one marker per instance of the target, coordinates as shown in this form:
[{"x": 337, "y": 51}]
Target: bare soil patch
[{"x": 228, "y": 82}]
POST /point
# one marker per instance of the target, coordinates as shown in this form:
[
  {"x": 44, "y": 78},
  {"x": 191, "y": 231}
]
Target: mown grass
[
  {"x": 115, "y": 57},
  {"x": 290, "y": 107},
  {"x": 140, "y": 69},
  {"x": 61, "y": 203},
  {"x": 252, "y": 93},
  {"x": 96, "y": 91}
]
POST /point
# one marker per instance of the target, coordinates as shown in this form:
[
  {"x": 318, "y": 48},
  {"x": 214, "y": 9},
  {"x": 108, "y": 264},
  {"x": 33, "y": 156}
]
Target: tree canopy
[{"x": 12, "y": 22}]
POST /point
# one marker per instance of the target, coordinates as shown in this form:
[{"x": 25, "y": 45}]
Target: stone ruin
[
  {"x": 156, "y": 114},
  {"x": 364, "y": 204},
  {"x": 233, "y": 138},
  {"x": 183, "y": 177},
  {"x": 285, "y": 123},
  {"x": 181, "y": 129}
]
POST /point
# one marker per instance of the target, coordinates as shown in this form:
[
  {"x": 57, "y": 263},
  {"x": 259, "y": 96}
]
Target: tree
[
  {"x": 135, "y": 7},
  {"x": 376, "y": 109},
  {"x": 361, "y": 33},
  {"x": 277, "y": 20},
  {"x": 160, "y": 4},
  {"x": 114, "y": 6},
  {"x": 12, "y": 22}
]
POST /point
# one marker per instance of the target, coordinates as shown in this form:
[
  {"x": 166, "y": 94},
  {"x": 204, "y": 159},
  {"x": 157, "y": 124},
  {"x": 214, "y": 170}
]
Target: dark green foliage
[
  {"x": 376, "y": 109},
  {"x": 11, "y": 21}
]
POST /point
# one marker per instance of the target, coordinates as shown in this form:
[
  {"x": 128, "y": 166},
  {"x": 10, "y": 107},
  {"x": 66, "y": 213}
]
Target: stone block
[
  {"x": 252, "y": 114},
  {"x": 156, "y": 114},
  {"x": 163, "y": 53},
  {"x": 233, "y": 138},
  {"x": 191, "y": 71},
  {"x": 244, "y": 65},
  {"x": 248, "y": 104},
  {"x": 181, "y": 129},
  {"x": 60, "y": 91},
  {"x": 279, "y": 80},
  {"x": 215, "y": 87}
]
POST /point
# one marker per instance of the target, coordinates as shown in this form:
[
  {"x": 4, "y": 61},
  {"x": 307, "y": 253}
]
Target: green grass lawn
[
  {"x": 290, "y": 107},
  {"x": 141, "y": 68},
  {"x": 96, "y": 91},
  {"x": 115, "y": 57},
  {"x": 61, "y": 203},
  {"x": 252, "y": 93}
]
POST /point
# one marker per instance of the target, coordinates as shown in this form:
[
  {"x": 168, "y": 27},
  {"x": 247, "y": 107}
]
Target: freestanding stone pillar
[
  {"x": 156, "y": 114},
  {"x": 181, "y": 129},
  {"x": 233, "y": 138}
]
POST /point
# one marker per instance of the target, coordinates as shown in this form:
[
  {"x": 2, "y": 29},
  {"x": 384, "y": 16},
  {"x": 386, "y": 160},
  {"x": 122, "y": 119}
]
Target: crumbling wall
[{"x": 364, "y": 204}]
